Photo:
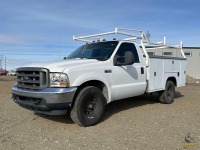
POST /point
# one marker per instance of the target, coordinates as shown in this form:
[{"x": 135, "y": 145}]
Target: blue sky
[{"x": 35, "y": 30}]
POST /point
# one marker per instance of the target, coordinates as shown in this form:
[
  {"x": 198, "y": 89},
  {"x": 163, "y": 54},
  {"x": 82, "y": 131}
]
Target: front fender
[{"x": 93, "y": 76}]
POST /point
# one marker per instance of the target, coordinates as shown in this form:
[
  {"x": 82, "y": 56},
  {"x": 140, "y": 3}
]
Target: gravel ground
[{"x": 140, "y": 123}]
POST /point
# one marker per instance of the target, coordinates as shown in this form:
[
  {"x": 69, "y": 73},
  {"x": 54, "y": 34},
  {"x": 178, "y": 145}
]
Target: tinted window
[
  {"x": 167, "y": 53},
  {"x": 150, "y": 53},
  {"x": 128, "y": 47},
  {"x": 100, "y": 51},
  {"x": 188, "y": 53}
]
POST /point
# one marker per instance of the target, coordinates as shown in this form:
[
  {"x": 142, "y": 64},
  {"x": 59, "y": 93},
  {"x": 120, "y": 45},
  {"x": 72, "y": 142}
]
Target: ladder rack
[{"x": 132, "y": 35}]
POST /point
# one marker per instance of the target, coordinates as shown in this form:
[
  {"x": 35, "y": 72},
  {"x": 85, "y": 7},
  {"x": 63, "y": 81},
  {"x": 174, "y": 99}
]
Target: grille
[{"x": 32, "y": 78}]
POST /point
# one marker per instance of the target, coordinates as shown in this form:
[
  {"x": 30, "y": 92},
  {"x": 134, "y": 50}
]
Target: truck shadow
[
  {"x": 129, "y": 103},
  {"x": 62, "y": 118},
  {"x": 178, "y": 95},
  {"x": 114, "y": 107}
]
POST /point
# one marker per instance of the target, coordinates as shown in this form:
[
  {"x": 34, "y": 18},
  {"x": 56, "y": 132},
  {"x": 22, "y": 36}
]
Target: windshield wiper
[
  {"x": 99, "y": 58},
  {"x": 78, "y": 58}
]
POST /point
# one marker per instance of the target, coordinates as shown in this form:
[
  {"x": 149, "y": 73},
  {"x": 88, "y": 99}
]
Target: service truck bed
[{"x": 162, "y": 67}]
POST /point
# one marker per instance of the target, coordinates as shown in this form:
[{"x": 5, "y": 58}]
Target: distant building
[{"x": 192, "y": 54}]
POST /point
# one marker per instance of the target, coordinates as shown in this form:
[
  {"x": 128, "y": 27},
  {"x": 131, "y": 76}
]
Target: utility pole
[
  {"x": 59, "y": 45},
  {"x": 1, "y": 61},
  {"x": 5, "y": 63}
]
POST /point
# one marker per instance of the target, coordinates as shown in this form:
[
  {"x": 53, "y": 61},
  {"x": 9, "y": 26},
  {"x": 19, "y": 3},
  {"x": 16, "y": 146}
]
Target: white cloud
[{"x": 11, "y": 39}]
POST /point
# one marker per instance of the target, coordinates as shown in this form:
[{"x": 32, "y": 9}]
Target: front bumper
[{"x": 50, "y": 101}]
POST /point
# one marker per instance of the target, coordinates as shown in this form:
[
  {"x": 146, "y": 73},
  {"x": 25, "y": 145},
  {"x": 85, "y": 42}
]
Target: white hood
[{"x": 60, "y": 66}]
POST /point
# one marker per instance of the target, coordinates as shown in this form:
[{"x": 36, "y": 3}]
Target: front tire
[
  {"x": 89, "y": 106},
  {"x": 167, "y": 96}
]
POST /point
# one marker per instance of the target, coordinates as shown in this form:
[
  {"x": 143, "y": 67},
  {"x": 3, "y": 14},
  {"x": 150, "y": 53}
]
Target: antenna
[
  {"x": 59, "y": 45},
  {"x": 148, "y": 35}
]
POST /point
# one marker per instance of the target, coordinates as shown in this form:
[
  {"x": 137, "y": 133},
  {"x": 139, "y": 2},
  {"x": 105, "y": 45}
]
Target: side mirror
[
  {"x": 64, "y": 58},
  {"x": 127, "y": 59}
]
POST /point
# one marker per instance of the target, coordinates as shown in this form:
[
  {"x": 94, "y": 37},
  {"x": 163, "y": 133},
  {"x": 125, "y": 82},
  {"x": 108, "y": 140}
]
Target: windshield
[{"x": 99, "y": 51}]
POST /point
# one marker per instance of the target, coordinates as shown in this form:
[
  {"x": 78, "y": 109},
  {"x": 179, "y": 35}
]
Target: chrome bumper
[{"x": 51, "y": 101}]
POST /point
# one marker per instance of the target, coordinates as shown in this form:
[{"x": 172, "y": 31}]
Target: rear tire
[
  {"x": 167, "y": 96},
  {"x": 89, "y": 106}
]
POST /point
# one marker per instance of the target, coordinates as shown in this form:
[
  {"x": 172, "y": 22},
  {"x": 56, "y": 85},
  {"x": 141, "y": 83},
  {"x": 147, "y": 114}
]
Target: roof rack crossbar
[
  {"x": 130, "y": 39},
  {"x": 121, "y": 31},
  {"x": 127, "y": 34},
  {"x": 92, "y": 36},
  {"x": 161, "y": 47},
  {"x": 130, "y": 30}
]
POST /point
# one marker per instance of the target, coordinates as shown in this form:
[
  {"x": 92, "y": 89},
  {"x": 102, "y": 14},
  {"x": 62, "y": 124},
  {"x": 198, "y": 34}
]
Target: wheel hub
[{"x": 90, "y": 106}]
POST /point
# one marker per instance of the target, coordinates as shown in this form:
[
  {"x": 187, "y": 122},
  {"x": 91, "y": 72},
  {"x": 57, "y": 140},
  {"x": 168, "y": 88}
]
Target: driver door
[{"x": 129, "y": 80}]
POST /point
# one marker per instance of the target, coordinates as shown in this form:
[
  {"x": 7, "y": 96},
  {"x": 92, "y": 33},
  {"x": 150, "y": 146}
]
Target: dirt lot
[{"x": 140, "y": 123}]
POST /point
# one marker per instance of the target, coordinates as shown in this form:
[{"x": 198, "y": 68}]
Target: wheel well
[
  {"x": 173, "y": 79},
  {"x": 96, "y": 83}
]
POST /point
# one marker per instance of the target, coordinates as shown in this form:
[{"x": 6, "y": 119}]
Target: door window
[{"x": 128, "y": 47}]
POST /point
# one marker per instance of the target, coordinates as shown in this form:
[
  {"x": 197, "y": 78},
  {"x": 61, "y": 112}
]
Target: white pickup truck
[{"x": 98, "y": 73}]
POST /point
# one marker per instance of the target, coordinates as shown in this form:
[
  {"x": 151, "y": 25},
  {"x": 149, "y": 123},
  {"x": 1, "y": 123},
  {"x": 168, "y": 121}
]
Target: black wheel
[
  {"x": 167, "y": 96},
  {"x": 88, "y": 107}
]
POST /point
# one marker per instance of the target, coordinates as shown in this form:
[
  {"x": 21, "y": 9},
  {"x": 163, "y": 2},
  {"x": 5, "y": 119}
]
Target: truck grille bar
[{"x": 32, "y": 78}]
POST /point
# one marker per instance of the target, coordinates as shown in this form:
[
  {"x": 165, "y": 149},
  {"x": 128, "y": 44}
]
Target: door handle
[{"x": 142, "y": 70}]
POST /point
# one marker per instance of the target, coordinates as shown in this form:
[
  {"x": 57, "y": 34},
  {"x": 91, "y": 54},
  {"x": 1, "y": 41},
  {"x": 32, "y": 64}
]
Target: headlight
[{"x": 59, "y": 80}]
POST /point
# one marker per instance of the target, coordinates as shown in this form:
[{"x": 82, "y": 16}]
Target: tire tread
[{"x": 74, "y": 111}]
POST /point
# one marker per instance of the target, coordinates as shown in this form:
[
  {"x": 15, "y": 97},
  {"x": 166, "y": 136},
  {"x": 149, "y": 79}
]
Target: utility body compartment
[{"x": 161, "y": 68}]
